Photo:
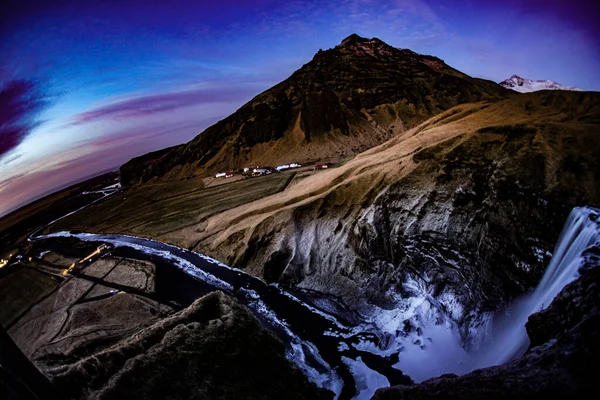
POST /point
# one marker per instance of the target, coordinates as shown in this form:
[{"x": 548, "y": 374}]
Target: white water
[
  {"x": 437, "y": 349},
  {"x": 581, "y": 231}
]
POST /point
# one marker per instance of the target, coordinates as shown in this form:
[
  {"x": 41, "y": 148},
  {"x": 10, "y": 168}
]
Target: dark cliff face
[
  {"x": 362, "y": 89},
  {"x": 562, "y": 361}
]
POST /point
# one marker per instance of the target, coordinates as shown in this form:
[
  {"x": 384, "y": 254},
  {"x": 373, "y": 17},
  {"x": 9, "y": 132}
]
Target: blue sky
[{"x": 122, "y": 78}]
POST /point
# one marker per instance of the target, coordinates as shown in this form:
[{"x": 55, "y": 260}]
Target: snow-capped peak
[{"x": 523, "y": 85}]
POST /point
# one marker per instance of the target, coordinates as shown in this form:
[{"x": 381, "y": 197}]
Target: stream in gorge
[{"x": 354, "y": 359}]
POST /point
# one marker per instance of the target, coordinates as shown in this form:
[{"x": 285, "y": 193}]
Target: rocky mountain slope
[
  {"x": 344, "y": 101},
  {"x": 523, "y": 85},
  {"x": 465, "y": 197}
]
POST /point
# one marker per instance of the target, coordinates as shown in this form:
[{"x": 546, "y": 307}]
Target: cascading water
[
  {"x": 581, "y": 231},
  {"x": 505, "y": 336}
]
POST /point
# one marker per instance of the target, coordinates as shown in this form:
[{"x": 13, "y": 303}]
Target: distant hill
[
  {"x": 523, "y": 85},
  {"x": 344, "y": 101}
]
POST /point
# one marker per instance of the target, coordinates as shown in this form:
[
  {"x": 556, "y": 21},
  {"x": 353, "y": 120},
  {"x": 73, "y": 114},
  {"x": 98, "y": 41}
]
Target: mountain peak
[
  {"x": 358, "y": 45},
  {"x": 524, "y": 85},
  {"x": 354, "y": 40}
]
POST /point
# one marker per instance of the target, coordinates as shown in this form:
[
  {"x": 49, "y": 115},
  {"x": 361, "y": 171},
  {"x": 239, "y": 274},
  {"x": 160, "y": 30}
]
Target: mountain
[
  {"x": 344, "y": 101},
  {"x": 523, "y": 85},
  {"x": 415, "y": 245},
  {"x": 439, "y": 227}
]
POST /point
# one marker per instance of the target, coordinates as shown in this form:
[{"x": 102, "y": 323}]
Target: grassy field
[{"x": 153, "y": 210}]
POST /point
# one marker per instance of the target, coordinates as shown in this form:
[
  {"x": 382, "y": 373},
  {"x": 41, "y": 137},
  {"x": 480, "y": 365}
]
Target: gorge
[
  {"x": 427, "y": 257},
  {"x": 355, "y": 360}
]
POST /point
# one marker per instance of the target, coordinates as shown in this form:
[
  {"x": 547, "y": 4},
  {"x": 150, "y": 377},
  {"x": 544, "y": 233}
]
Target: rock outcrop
[
  {"x": 562, "y": 361},
  {"x": 344, "y": 101},
  {"x": 214, "y": 349}
]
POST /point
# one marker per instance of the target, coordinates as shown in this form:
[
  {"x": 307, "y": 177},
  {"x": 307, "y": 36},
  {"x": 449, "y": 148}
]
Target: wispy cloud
[
  {"x": 158, "y": 103},
  {"x": 88, "y": 157},
  {"x": 20, "y": 103}
]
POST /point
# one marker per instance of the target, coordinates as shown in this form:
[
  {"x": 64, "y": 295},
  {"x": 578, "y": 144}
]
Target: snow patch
[
  {"x": 115, "y": 186},
  {"x": 523, "y": 85}
]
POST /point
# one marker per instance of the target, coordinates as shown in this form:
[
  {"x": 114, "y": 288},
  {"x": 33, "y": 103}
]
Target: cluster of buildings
[
  {"x": 287, "y": 166},
  {"x": 258, "y": 171}
]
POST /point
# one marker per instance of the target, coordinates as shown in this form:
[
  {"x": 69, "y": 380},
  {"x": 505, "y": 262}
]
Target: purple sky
[{"x": 91, "y": 84}]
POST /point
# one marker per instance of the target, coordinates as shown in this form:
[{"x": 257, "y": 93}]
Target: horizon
[{"x": 108, "y": 82}]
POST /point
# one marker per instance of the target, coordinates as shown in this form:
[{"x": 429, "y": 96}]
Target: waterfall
[{"x": 581, "y": 231}]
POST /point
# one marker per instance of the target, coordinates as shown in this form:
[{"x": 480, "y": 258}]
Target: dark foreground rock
[
  {"x": 562, "y": 362},
  {"x": 214, "y": 349},
  {"x": 12, "y": 387}
]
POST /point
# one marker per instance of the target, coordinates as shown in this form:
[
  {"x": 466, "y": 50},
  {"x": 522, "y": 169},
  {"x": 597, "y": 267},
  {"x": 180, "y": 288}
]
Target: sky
[{"x": 87, "y": 85}]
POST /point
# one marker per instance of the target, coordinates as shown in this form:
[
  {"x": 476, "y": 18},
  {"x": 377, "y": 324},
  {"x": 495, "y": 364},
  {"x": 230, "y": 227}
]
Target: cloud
[
  {"x": 157, "y": 103},
  {"x": 20, "y": 103},
  {"x": 87, "y": 157}
]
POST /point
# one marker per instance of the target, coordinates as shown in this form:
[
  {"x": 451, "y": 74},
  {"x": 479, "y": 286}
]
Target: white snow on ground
[
  {"x": 367, "y": 380},
  {"x": 43, "y": 253},
  {"x": 327, "y": 380},
  {"x": 432, "y": 344},
  {"x": 115, "y": 186},
  {"x": 329, "y": 317},
  {"x": 342, "y": 346},
  {"x": 523, "y": 85},
  {"x": 452, "y": 306}
]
